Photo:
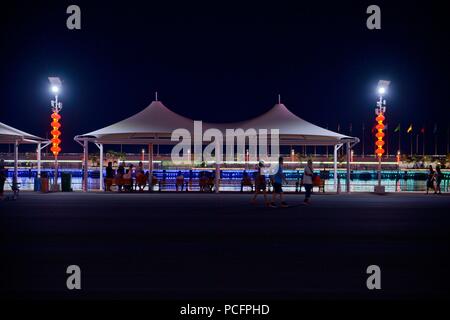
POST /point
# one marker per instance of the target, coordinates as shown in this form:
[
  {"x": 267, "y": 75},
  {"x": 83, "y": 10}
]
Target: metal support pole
[
  {"x": 349, "y": 151},
  {"x": 38, "y": 159},
  {"x": 150, "y": 160},
  {"x": 379, "y": 171},
  {"x": 101, "y": 167},
  {"x": 335, "y": 166},
  {"x": 217, "y": 178},
  {"x": 85, "y": 165},
  {"x": 16, "y": 162},
  {"x": 55, "y": 175},
  {"x": 218, "y": 153}
]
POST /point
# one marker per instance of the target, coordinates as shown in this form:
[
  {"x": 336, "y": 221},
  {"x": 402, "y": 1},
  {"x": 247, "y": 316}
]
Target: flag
[
  {"x": 435, "y": 128},
  {"x": 409, "y": 129},
  {"x": 397, "y": 129}
]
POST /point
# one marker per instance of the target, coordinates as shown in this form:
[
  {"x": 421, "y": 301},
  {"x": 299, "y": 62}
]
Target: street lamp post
[
  {"x": 380, "y": 111},
  {"x": 55, "y": 84}
]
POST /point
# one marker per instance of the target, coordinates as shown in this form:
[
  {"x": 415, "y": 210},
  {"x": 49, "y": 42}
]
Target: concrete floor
[{"x": 201, "y": 246}]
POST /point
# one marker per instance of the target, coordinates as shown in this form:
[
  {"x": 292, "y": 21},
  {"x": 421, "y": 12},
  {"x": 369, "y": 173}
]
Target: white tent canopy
[
  {"x": 292, "y": 129},
  {"x": 155, "y": 124},
  {"x": 10, "y": 135}
]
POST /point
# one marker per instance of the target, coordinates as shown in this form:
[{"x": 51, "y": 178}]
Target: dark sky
[{"x": 223, "y": 61}]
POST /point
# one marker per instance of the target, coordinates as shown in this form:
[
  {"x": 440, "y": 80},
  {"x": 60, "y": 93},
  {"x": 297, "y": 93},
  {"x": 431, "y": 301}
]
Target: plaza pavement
[{"x": 206, "y": 246}]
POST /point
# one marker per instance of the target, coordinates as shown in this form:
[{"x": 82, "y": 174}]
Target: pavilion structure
[
  {"x": 155, "y": 124},
  {"x": 10, "y": 135}
]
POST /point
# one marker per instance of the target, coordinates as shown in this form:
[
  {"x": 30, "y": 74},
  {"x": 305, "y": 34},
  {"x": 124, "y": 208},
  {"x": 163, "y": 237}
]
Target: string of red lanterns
[
  {"x": 55, "y": 133},
  {"x": 380, "y": 135}
]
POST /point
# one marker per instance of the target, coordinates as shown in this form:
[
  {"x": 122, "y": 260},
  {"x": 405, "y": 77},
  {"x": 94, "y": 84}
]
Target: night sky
[{"x": 223, "y": 61}]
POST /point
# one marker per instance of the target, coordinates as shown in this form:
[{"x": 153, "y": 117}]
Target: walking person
[
  {"x": 260, "y": 184},
  {"x": 431, "y": 179},
  {"x": 278, "y": 180},
  {"x": 308, "y": 175},
  {"x": 438, "y": 179},
  {"x": 3, "y": 177}
]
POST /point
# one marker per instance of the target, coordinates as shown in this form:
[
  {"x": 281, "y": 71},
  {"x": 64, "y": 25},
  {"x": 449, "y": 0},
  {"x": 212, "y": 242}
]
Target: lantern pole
[
  {"x": 380, "y": 111},
  {"x": 56, "y": 108},
  {"x": 55, "y": 87}
]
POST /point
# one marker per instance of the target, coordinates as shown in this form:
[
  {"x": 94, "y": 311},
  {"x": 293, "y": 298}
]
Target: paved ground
[{"x": 190, "y": 246}]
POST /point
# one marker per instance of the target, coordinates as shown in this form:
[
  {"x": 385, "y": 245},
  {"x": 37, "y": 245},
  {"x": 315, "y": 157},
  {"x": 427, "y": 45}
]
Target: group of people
[
  {"x": 277, "y": 181},
  {"x": 133, "y": 178},
  {"x": 434, "y": 179},
  {"x": 126, "y": 179}
]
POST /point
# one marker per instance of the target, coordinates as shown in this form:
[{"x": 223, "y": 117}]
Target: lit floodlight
[
  {"x": 382, "y": 86},
  {"x": 55, "y": 84}
]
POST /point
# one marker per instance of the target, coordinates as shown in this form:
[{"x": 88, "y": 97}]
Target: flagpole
[
  {"x": 423, "y": 143},
  {"x": 387, "y": 141},
  {"x": 399, "y": 131},
  {"x": 411, "y": 147},
  {"x": 363, "y": 138},
  {"x": 435, "y": 144},
  {"x": 417, "y": 144},
  {"x": 448, "y": 140},
  {"x": 435, "y": 139}
]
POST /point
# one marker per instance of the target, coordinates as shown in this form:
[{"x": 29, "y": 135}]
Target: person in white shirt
[{"x": 308, "y": 180}]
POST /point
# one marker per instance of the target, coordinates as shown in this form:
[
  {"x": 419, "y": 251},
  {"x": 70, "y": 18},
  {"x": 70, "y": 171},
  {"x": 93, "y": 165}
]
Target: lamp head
[
  {"x": 55, "y": 84},
  {"x": 55, "y": 89},
  {"x": 383, "y": 85}
]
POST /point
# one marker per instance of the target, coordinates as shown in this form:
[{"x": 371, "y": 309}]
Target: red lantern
[
  {"x": 379, "y": 143},
  {"x": 55, "y": 133},
  {"x": 380, "y": 135}
]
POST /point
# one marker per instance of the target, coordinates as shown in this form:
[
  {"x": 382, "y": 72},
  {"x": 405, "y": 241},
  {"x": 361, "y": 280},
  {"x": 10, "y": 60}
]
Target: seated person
[
  {"x": 119, "y": 176},
  {"x": 128, "y": 178},
  {"x": 246, "y": 181},
  {"x": 318, "y": 182},
  {"x": 137, "y": 172},
  {"x": 109, "y": 176},
  {"x": 211, "y": 182},
  {"x": 203, "y": 181},
  {"x": 179, "y": 181},
  {"x": 141, "y": 180}
]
